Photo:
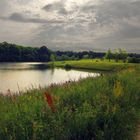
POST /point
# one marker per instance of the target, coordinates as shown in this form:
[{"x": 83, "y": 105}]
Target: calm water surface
[{"x": 23, "y": 76}]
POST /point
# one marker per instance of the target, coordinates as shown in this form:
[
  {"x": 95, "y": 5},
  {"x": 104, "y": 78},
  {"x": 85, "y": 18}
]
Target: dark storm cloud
[
  {"x": 57, "y": 6},
  {"x": 111, "y": 10},
  {"x": 69, "y": 24},
  {"x": 18, "y": 17},
  {"x": 49, "y": 7}
]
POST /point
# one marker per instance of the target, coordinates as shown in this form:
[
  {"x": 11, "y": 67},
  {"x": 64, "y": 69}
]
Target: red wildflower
[
  {"x": 49, "y": 100},
  {"x": 8, "y": 92}
]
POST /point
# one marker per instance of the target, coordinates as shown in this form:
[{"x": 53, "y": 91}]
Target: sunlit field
[{"x": 94, "y": 64}]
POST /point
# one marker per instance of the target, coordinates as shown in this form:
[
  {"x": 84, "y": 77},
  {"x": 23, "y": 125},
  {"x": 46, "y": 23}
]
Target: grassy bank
[
  {"x": 102, "y": 108},
  {"x": 95, "y": 64}
]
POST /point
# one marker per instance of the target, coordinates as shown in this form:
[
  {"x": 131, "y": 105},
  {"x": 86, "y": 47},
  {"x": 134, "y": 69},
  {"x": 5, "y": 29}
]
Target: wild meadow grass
[
  {"x": 93, "y": 64},
  {"x": 102, "y": 108}
]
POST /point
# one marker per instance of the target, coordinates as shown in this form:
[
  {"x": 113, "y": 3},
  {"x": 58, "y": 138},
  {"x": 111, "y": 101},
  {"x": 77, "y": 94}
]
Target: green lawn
[
  {"x": 101, "y": 108},
  {"x": 95, "y": 64}
]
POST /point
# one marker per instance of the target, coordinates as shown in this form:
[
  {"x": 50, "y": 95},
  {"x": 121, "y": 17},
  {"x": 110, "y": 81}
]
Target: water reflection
[{"x": 27, "y": 75}]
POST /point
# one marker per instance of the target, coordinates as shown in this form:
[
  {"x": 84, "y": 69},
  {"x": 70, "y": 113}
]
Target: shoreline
[{"x": 108, "y": 105}]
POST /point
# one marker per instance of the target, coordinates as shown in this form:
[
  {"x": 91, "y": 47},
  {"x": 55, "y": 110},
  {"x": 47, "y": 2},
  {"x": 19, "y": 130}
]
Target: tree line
[
  {"x": 15, "y": 53},
  {"x": 122, "y": 55},
  {"x": 70, "y": 55}
]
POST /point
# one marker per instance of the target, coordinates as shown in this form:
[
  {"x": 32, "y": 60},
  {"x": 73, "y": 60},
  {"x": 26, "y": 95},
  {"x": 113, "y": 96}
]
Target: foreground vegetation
[{"x": 101, "y": 108}]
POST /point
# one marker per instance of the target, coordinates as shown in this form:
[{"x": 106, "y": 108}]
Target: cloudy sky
[{"x": 72, "y": 24}]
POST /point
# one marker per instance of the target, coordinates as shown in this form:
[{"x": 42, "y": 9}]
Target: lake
[{"x": 23, "y": 76}]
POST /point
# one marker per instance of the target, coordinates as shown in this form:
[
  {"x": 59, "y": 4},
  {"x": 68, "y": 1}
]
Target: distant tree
[
  {"x": 14, "y": 53},
  {"x": 116, "y": 56},
  {"x": 44, "y": 54},
  {"x": 86, "y": 56},
  {"x": 133, "y": 60},
  {"x": 120, "y": 55},
  {"x": 123, "y": 55},
  {"x": 53, "y": 58},
  {"x": 109, "y": 55},
  {"x": 77, "y": 55}
]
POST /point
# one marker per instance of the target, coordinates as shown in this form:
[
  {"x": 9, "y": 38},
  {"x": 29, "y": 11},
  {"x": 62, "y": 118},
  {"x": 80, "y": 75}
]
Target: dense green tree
[
  {"x": 123, "y": 55},
  {"x": 44, "y": 54},
  {"x": 15, "y": 53},
  {"x": 120, "y": 55},
  {"x": 133, "y": 60},
  {"x": 109, "y": 55}
]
